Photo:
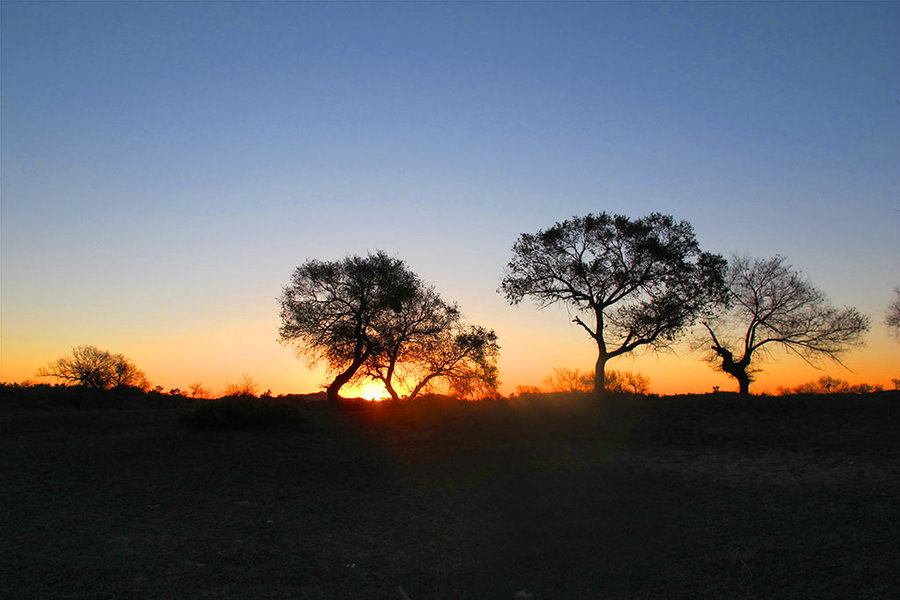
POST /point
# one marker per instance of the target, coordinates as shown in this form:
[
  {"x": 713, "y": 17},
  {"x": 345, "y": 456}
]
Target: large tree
[
  {"x": 770, "y": 305},
  {"x": 425, "y": 342},
  {"x": 637, "y": 282},
  {"x": 330, "y": 309},
  {"x": 91, "y": 367},
  {"x": 372, "y": 317}
]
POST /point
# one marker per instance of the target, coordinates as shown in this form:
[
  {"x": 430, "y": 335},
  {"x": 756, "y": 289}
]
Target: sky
[{"x": 164, "y": 167}]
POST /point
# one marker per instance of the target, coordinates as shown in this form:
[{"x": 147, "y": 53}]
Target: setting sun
[{"x": 370, "y": 390}]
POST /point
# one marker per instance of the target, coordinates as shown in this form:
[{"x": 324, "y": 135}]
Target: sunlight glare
[{"x": 370, "y": 390}]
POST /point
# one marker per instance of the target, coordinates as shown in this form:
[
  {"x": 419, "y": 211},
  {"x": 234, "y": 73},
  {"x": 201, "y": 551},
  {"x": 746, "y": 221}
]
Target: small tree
[
  {"x": 771, "y": 305},
  {"x": 97, "y": 369},
  {"x": 626, "y": 382},
  {"x": 197, "y": 391},
  {"x": 637, "y": 282},
  {"x": 330, "y": 309},
  {"x": 245, "y": 388},
  {"x": 569, "y": 380}
]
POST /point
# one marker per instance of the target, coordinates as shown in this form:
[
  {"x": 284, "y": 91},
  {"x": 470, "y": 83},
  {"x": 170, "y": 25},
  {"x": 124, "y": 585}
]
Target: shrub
[
  {"x": 245, "y": 388},
  {"x": 237, "y": 413}
]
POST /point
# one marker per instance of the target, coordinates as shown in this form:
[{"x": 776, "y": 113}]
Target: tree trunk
[
  {"x": 737, "y": 369},
  {"x": 743, "y": 381},
  {"x": 390, "y": 389},
  {"x": 600, "y": 375},
  {"x": 331, "y": 392}
]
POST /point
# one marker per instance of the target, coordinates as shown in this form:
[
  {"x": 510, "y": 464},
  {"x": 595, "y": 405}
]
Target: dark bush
[{"x": 237, "y": 413}]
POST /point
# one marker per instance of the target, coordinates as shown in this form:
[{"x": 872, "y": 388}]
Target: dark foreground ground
[{"x": 705, "y": 497}]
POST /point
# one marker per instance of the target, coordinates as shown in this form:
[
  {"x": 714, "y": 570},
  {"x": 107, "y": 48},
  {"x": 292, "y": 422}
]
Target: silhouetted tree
[
  {"x": 892, "y": 317},
  {"x": 197, "y": 391},
  {"x": 639, "y": 282},
  {"x": 97, "y": 369},
  {"x": 626, "y": 382},
  {"x": 245, "y": 388},
  {"x": 569, "y": 380},
  {"x": 771, "y": 305},
  {"x": 330, "y": 309},
  {"x": 426, "y": 341}
]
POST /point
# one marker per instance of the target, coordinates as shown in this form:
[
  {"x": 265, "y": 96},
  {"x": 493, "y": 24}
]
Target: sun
[{"x": 370, "y": 390}]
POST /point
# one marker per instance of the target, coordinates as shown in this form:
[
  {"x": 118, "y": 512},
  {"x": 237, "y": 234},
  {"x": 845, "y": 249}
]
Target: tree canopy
[
  {"x": 771, "y": 305},
  {"x": 96, "y": 369},
  {"x": 372, "y": 317},
  {"x": 636, "y": 282}
]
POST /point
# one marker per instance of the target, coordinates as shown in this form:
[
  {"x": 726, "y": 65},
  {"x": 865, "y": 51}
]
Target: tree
[
  {"x": 97, "y": 369},
  {"x": 245, "y": 388},
  {"x": 638, "y": 282},
  {"x": 626, "y": 382},
  {"x": 892, "y": 317},
  {"x": 770, "y": 305},
  {"x": 330, "y": 309},
  {"x": 426, "y": 341},
  {"x": 569, "y": 380}
]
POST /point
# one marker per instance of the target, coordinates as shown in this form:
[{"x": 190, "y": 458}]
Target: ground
[{"x": 547, "y": 498}]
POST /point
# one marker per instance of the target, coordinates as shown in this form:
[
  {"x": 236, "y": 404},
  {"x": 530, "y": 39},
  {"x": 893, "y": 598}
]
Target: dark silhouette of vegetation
[
  {"x": 425, "y": 341},
  {"x": 892, "y": 316},
  {"x": 374, "y": 318},
  {"x": 197, "y": 391},
  {"x": 830, "y": 385},
  {"x": 330, "y": 310},
  {"x": 245, "y": 388},
  {"x": 769, "y": 305},
  {"x": 97, "y": 369},
  {"x": 575, "y": 380},
  {"x": 239, "y": 413},
  {"x": 639, "y": 282}
]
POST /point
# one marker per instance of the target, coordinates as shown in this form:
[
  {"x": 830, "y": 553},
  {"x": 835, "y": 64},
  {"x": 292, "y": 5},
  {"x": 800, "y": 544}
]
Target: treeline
[{"x": 630, "y": 284}]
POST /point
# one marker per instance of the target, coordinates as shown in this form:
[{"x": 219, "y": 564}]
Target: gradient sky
[{"x": 166, "y": 166}]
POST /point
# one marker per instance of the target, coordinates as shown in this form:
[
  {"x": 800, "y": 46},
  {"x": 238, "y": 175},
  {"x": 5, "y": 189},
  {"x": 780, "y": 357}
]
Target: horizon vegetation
[{"x": 641, "y": 284}]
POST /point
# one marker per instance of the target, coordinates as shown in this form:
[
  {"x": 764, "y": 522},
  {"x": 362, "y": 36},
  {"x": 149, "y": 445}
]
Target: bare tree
[
  {"x": 244, "y": 388},
  {"x": 97, "y": 369},
  {"x": 569, "y": 380},
  {"x": 196, "y": 390},
  {"x": 637, "y": 282},
  {"x": 770, "y": 305}
]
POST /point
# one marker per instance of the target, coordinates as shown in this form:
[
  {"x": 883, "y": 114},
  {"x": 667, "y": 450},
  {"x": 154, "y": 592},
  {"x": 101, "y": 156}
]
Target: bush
[{"x": 233, "y": 413}]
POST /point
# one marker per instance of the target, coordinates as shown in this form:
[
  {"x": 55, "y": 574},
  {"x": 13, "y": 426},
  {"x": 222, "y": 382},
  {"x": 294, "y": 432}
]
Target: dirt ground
[{"x": 549, "y": 498}]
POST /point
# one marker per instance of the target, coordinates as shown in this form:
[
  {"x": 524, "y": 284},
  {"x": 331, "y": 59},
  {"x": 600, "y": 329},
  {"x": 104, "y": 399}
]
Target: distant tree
[
  {"x": 892, "y": 317},
  {"x": 626, "y": 382},
  {"x": 244, "y": 388},
  {"x": 197, "y": 391},
  {"x": 639, "y": 282},
  {"x": 569, "y": 380},
  {"x": 830, "y": 385},
  {"x": 97, "y": 369},
  {"x": 771, "y": 305}
]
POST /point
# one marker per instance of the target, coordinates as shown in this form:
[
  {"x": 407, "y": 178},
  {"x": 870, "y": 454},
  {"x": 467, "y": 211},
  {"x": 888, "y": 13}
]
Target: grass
[{"x": 694, "y": 497}]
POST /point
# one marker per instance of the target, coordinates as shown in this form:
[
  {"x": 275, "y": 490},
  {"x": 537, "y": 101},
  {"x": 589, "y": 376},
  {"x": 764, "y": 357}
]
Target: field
[{"x": 550, "y": 497}]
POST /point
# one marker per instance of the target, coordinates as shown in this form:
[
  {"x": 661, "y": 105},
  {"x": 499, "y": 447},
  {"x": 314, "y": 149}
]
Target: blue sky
[{"x": 165, "y": 166}]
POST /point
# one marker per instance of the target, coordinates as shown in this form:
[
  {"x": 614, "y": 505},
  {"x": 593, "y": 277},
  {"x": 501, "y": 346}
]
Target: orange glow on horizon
[{"x": 370, "y": 390}]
